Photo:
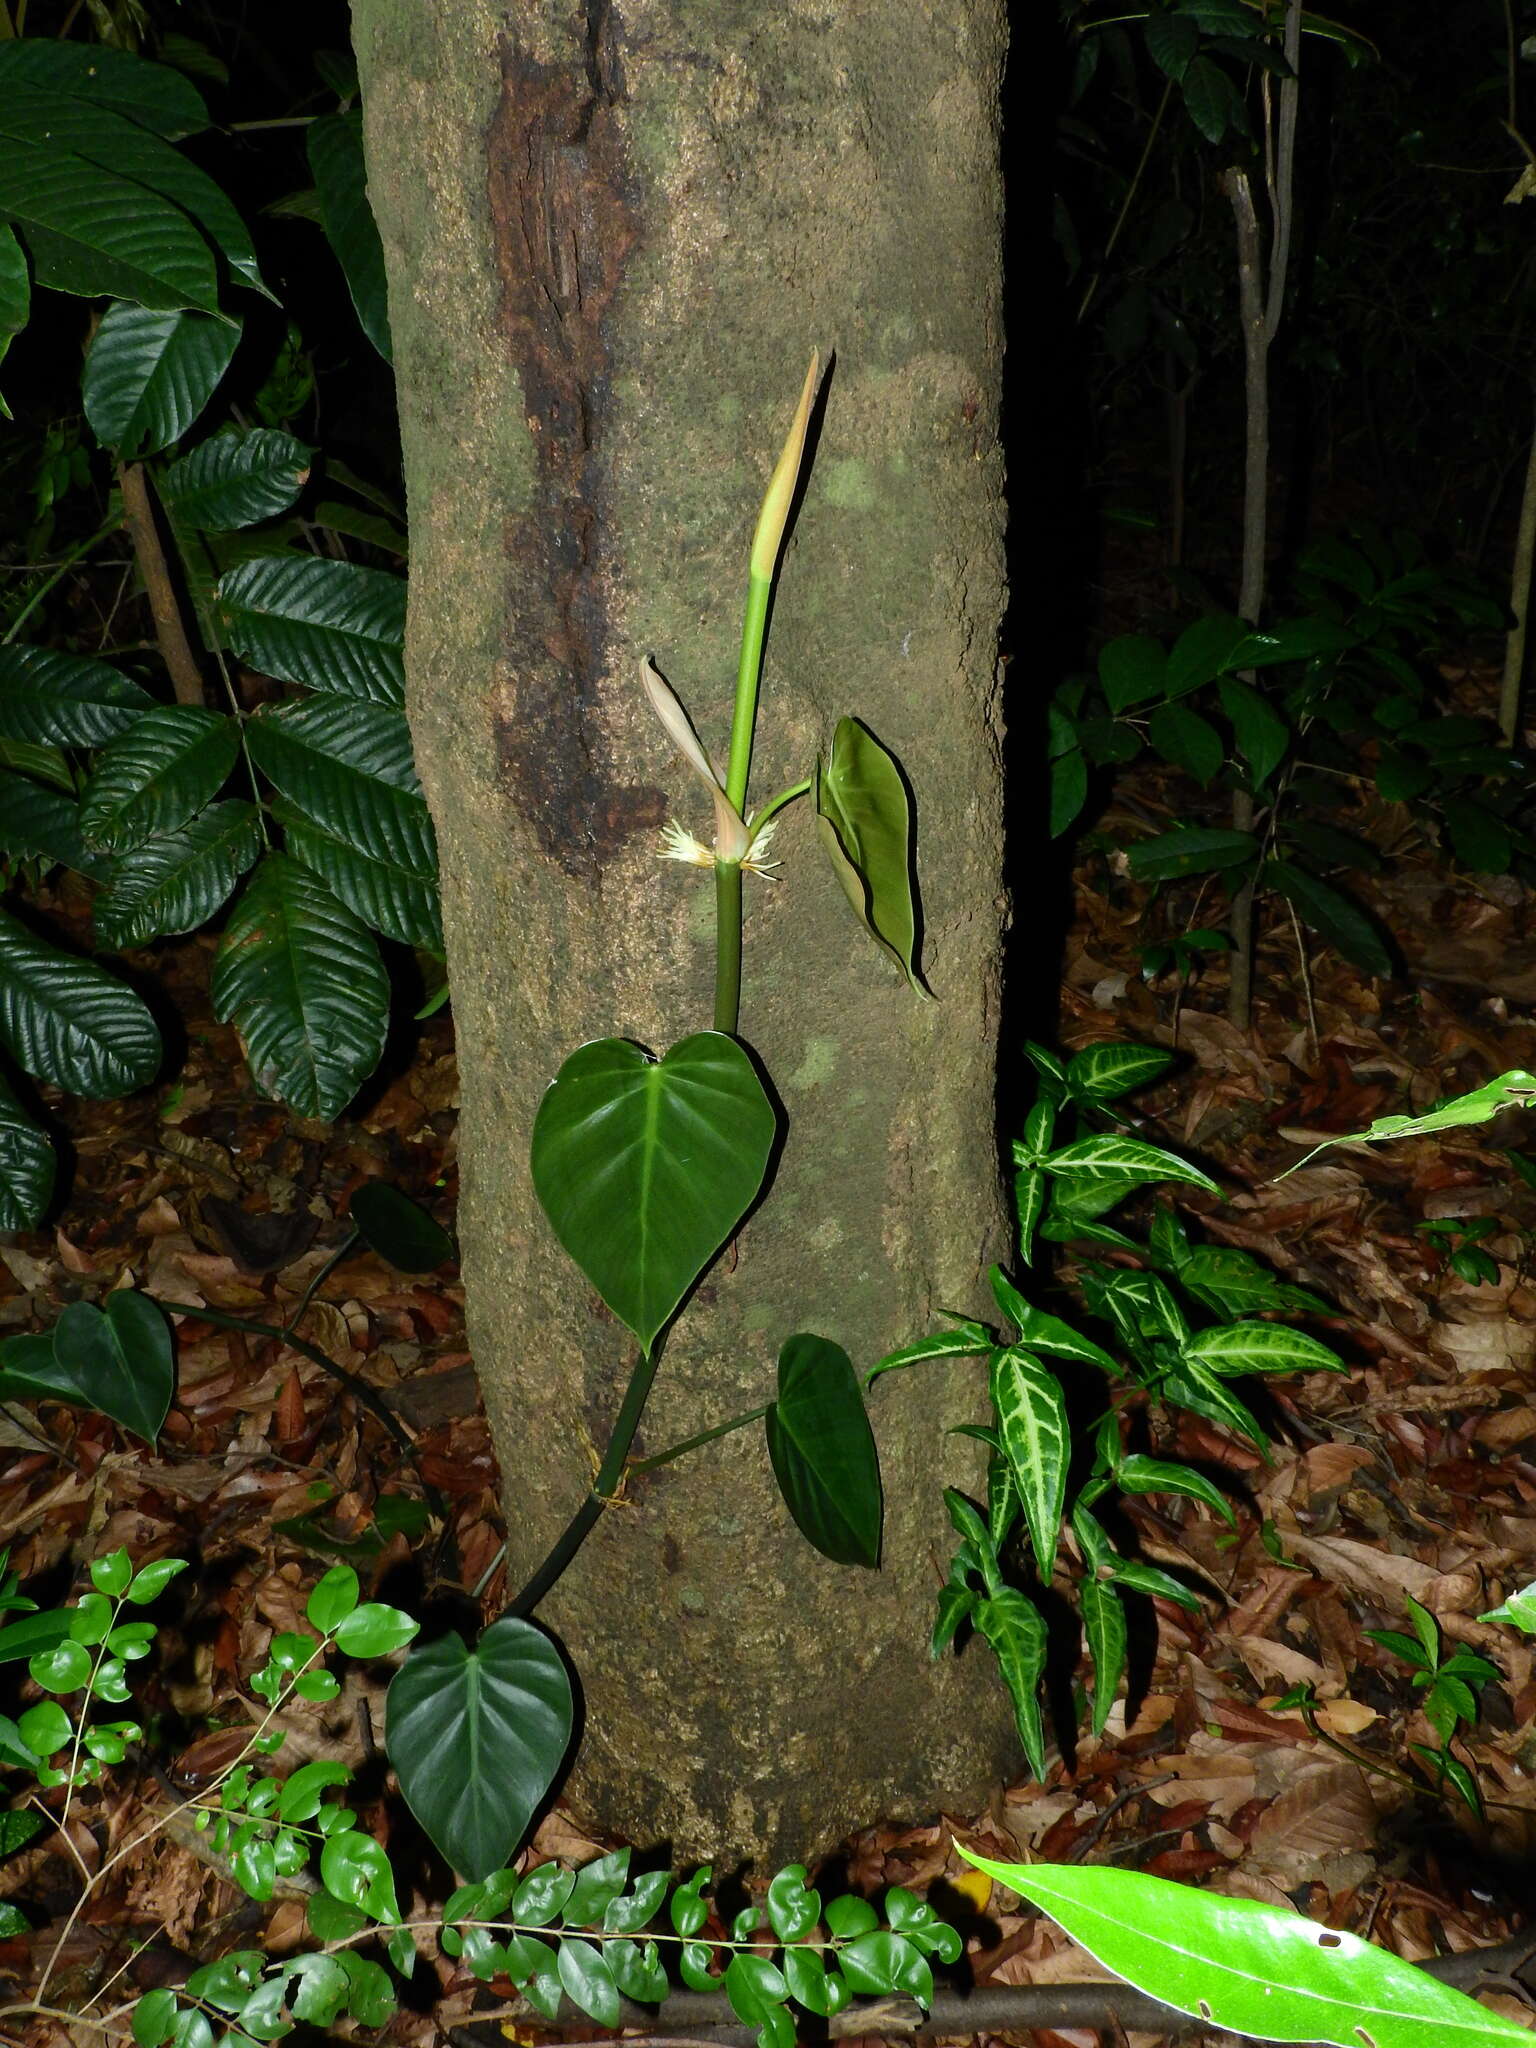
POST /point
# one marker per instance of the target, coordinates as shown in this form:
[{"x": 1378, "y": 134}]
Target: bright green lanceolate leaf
[
  {"x": 864, "y": 817},
  {"x": 329, "y": 625},
  {"x": 1248, "y": 1967},
  {"x": 27, "y": 1166},
  {"x": 1514, "y": 1090},
  {"x": 645, "y": 1167},
  {"x": 1518, "y": 1611},
  {"x": 1259, "y": 1347},
  {"x": 1016, "y": 1631},
  {"x": 476, "y": 1737},
  {"x": 236, "y": 479},
  {"x": 154, "y": 777},
  {"x": 335, "y": 144},
  {"x": 970, "y": 1340},
  {"x": 1032, "y": 1428},
  {"x": 61, "y": 700},
  {"x": 178, "y": 881},
  {"x": 1190, "y": 850},
  {"x": 1337, "y": 920},
  {"x": 68, "y": 1021},
  {"x": 823, "y": 1452},
  {"x": 149, "y": 374},
  {"x": 398, "y": 1229},
  {"x": 119, "y": 1360},
  {"x": 1141, "y": 1474},
  {"x": 302, "y": 981}
]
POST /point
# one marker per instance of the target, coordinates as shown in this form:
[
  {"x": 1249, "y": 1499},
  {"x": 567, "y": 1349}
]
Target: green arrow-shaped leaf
[{"x": 1032, "y": 1429}]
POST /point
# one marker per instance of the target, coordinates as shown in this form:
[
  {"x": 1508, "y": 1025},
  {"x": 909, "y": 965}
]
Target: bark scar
[{"x": 566, "y": 224}]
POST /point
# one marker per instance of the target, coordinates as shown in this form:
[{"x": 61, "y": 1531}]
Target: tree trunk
[{"x": 613, "y": 237}]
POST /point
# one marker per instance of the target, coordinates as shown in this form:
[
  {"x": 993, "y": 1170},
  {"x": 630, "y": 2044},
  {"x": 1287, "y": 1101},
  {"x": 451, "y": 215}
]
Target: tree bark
[{"x": 613, "y": 235}]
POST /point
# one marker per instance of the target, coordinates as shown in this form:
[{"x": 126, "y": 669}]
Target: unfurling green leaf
[{"x": 865, "y": 821}]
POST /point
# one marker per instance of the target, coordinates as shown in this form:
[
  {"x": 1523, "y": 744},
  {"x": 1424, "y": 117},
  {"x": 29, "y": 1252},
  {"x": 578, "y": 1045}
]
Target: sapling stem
[{"x": 775, "y": 804}]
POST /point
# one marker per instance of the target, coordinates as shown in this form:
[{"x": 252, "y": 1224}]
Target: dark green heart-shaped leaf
[
  {"x": 119, "y": 1361},
  {"x": 399, "y": 1229},
  {"x": 476, "y": 1737},
  {"x": 823, "y": 1452},
  {"x": 644, "y": 1167},
  {"x": 865, "y": 822}
]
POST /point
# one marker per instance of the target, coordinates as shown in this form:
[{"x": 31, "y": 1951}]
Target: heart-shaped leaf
[
  {"x": 399, "y": 1229},
  {"x": 119, "y": 1361},
  {"x": 823, "y": 1452},
  {"x": 644, "y": 1167},
  {"x": 865, "y": 822},
  {"x": 476, "y": 1737}
]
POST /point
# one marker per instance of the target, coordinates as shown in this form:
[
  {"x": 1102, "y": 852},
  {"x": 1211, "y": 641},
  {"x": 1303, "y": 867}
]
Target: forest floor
[{"x": 1413, "y": 1473}]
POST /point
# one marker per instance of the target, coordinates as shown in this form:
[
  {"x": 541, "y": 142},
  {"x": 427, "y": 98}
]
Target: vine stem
[{"x": 604, "y": 1487}]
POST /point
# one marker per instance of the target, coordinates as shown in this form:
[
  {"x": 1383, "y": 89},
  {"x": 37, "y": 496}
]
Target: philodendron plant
[{"x": 645, "y": 1165}]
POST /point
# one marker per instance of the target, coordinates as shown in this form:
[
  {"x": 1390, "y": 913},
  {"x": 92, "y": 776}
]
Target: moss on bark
[{"x": 613, "y": 236}]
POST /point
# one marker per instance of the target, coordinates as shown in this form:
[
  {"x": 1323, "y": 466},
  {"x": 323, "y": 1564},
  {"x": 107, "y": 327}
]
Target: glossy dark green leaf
[
  {"x": 1132, "y": 670},
  {"x": 68, "y": 1021},
  {"x": 969, "y": 1341},
  {"x": 398, "y": 1229},
  {"x": 865, "y": 823},
  {"x": 120, "y": 1361},
  {"x": 1141, "y": 1474},
  {"x": 1335, "y": 917},
  {"x": 61, "y": 700},
  {"x": 476, "y": 1738},
  {"x": 27, "y": 1166},
  {"x": 302, "y": 981},
  {"x": 335, "y": 144},
  {"x": 150, "y": 95},
  {"x": 397, "y": 900},
  {"x": 149, "y": 374},
  {"x": 1262, "y": 735},
  {"x": 644, "y": 1167},
  {"x": 1251, "y": 1968},
  {"x": 1016, "y": 1632},
  {"x": 236, "y": 479},
  {"x": 178, "y": 881},
  {"x": 41, "y": 823},
  {"x": 156, "y": 775},
  {"x": 1202, "y": 652},
  {"x": 823, "y": 1452},
  {"x": 1212, "y": 101},
  {"x": 1190, "y": 850},
  {"x": 329, "y": 625},
  {"x": 1068, "y": 792},
  {"x": 348, "y": 766},
  {"x": 1186, "y": 740}
]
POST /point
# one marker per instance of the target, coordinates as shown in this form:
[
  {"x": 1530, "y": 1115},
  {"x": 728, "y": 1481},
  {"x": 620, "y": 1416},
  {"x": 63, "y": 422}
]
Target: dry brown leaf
[{"x": 1325, "y": 1812}]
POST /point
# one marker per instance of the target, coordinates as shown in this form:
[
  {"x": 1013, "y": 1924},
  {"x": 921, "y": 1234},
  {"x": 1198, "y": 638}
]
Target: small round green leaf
[
  {"x": 333, "y": 1599},
  {"x": 374, "y": 1630}
]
